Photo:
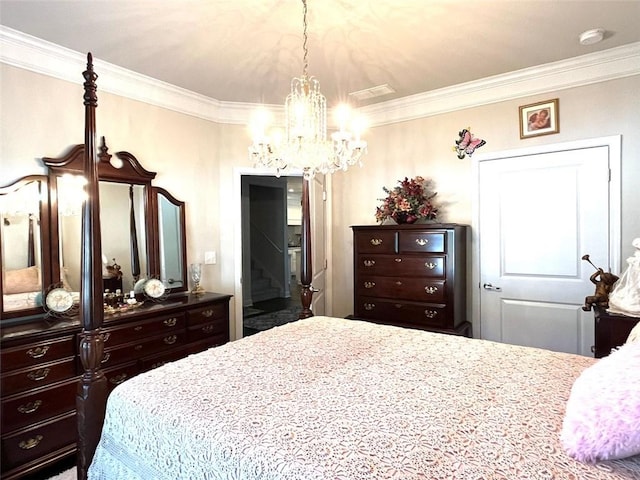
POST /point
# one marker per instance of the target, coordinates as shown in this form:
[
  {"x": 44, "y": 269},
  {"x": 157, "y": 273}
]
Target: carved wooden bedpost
[
  {"x": 306, "y": 293},
  {"x": 92, "y": 391}
]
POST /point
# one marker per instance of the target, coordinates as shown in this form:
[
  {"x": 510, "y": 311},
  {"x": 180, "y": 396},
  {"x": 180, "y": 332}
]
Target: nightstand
[{"x": 611, "y": 331}]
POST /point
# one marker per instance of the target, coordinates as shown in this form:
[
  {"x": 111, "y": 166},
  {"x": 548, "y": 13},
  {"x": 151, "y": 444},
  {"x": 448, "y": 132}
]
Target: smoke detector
[{"x": 591, "y": 36}]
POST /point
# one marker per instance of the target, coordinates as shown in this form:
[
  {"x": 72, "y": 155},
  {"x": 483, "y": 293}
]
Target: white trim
[
  {"x": 613, "y": 143},
  {"x": 36, "y": 55}
]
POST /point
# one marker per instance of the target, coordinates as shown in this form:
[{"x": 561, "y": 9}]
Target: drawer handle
[
  {"x": 422, "y": 241},
  {"x": 171, "y": 339},
  {"x": 38, "y": 352},
  {"x": 208, "y": 328},
  {"x": 376, "y": 242},
  {"x": 208, "y": 313},
  {"x": 137, "y": 348},
  {"x": 118, "y": 379},
  {"x": 430, "y": 265},
  {"x": 398, "y": 305},
  {"x": 38, "y": 375},
  {"x": 398, "y": 283},
  {"x": 430, "y": 313},
  {"x": 105, "y": 337},
  {"x": 369, "y": 306},
  {"x": 398, "y": 260},
  {"x": 106, "y": 357},
  {"x": 430, "y": 290},
  {"x": 171, "y": 322},
  {"x": 369, "y": 284},
  {"x": 32, "y": 442},
  {"x": 369, "y": 263},
  {"x": 138, "y": 328},
  {"x": 30, "y": 407}
]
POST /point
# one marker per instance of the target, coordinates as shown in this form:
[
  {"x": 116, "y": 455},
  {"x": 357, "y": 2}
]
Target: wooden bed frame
[{"x": 91, "y": 397}]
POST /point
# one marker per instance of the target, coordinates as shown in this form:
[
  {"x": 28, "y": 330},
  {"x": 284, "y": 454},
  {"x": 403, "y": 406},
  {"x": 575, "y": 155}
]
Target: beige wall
[{"x": 198, "y": 161}]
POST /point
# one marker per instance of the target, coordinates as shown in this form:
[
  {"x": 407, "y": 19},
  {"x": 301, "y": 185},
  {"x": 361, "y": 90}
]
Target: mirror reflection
[
  {"x": 21, "y": 240},
  {"x": 171, "y": 241},
  {"x": 122, "y": 219}
]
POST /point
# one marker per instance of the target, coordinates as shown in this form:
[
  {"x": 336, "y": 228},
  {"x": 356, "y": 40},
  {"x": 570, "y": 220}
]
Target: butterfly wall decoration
[{"x": 467, "y": 143}]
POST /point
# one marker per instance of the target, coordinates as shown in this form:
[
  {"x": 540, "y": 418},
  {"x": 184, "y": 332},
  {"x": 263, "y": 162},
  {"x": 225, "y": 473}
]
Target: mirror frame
[
  {"x": 45, "y": 241},
  {"x": 130, "y": 172}
]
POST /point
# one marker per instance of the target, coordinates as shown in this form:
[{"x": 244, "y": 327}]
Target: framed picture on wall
[{"x": 540, "y": 118}]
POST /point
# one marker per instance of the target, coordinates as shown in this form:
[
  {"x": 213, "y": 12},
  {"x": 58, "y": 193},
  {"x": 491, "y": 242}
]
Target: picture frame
[{"x": 541, "y": 118}]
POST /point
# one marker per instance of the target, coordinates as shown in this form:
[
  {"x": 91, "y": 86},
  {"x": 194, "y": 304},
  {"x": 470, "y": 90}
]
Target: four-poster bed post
[
  {"x": 306, "y": 275},
  {"x": 92, "y": 391}
]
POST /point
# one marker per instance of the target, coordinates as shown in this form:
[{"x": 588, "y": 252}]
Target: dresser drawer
[
  {"x": 36, "y": 405},
  {"x": 36, "y": 353},
  {"x": 421, "y": 242},
  {"x": 405, "y": 265},
  {"x": 400, "y": 313},
  {"x": 40, "y": 375},
  {"x": 202, "y": 330},
  {"x": 207, "y": 343},
  {"x": 31, "y": 444},
  {"x": 121, "y": 373},
  {"x": 148, "y": 346},
  {"x": 417, "y": 289},
  {"x": 376, "y": 242},
  {"x": 155, "y": 361},
  {"x": 211, "y": 313},
  {"x": 143, "y": 329}
]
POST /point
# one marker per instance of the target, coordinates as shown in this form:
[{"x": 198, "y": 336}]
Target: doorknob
[{"x": 488, "y": 286}]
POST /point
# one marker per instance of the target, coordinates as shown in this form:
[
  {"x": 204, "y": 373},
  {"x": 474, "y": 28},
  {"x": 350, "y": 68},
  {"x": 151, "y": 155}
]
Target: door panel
[{"x": 538, "y": 214}]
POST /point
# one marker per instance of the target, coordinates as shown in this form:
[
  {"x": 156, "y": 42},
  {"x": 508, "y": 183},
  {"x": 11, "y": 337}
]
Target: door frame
[
  {"x": 238, "y": 173},
  {"x": 614, "y": 144}
]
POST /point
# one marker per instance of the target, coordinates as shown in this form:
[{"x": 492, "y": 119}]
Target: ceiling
[{"x": 248, "y": 50}]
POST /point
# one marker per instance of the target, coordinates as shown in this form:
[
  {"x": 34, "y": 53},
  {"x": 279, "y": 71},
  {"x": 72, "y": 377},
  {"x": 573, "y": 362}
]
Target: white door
[
  {"x": 317, "y": 206},
  {"x": 539, "y": 213}
]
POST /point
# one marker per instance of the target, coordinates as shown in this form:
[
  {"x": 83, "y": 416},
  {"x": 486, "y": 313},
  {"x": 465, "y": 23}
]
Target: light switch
[{"x": 210, "y": 258}]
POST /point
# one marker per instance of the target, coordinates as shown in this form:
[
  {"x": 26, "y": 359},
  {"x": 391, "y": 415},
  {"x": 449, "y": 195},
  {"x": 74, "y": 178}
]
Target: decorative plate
[
  {"x": 59, "y": 300},
  {"x": 154, "y": 288}
]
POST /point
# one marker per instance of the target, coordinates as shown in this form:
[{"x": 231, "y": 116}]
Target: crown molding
[{"x": 33, "y": 54}]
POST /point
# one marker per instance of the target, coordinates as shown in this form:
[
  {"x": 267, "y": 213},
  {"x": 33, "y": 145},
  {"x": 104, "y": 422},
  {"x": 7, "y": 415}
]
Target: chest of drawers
[
  {"x": 412, "y": 276},
  {"x": 41, "y": 368}
]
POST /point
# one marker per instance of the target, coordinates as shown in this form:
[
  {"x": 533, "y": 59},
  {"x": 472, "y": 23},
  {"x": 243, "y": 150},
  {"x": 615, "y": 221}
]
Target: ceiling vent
[{"x": 372, "y": 92}]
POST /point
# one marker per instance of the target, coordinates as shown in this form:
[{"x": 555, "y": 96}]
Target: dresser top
[
  {"x": 413, "y": 226},
  {"x": 41, "y": 326}
]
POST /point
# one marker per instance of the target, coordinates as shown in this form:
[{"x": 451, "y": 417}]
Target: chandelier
[{"x": 304, "y": 145}]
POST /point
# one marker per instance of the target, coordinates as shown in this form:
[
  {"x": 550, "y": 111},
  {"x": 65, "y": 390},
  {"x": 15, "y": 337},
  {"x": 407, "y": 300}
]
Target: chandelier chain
[{"x": 305, "y": 50}]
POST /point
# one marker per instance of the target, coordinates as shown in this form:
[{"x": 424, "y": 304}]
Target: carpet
[
  {"x": 272, "y": 319},
  {"x": 251, "y": 312},
  {"x": 66, "y": 475}
]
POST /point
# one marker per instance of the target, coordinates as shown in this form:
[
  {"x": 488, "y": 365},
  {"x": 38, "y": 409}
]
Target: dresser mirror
[
  {"x": 142, "y": 228},
  {"x": 124, "y": 242},
  {"x": 172, "y": 239},
  {"x": 24, "y": 240}
]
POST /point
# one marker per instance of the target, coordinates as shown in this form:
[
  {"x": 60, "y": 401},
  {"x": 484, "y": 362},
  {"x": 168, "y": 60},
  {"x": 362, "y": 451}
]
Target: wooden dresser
[
  {"x": 412, "y": 276},
  {"x": 611, "y": 331},
  {"x": 41, "y": 367}
]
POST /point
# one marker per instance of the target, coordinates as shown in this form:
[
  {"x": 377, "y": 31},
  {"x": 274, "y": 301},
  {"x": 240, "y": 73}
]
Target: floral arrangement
[{"x": 408, "y": 202}]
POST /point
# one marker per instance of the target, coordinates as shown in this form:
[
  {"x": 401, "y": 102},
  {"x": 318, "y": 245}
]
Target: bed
[{"x": 329, "y": 398}]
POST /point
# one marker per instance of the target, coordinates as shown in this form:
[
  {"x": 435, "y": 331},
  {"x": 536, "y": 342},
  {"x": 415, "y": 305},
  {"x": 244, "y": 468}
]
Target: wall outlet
[{"x": 209, "y": 258}]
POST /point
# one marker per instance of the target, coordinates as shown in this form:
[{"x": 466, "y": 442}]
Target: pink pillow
[{"x": 602, "y": 421}]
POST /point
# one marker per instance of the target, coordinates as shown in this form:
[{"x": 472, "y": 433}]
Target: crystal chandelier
[{"x": 304, "y": 145}]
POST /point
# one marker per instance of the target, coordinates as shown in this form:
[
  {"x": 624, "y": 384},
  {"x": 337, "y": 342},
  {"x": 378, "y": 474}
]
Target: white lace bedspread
[{"x": 327, "y": 398}]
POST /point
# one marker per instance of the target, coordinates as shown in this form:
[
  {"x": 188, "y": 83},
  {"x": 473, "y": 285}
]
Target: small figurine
[{"x": 604, "y": 283}]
